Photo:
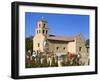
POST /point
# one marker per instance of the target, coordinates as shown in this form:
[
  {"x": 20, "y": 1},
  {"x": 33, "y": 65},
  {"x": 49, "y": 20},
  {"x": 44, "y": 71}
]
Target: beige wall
[
  {"x": 72, "y": 47},
  {"x": 61, "y": 46},
  {"x": 38, "y": 39},
  {"x": 80, "y": 42}
]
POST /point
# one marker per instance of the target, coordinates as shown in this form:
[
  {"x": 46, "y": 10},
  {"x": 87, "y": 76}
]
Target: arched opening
[
  {"x": 46, "y": 31},
  {"x": 43, "y": 31}
]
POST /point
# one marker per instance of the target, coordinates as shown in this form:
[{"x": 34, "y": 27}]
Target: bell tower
[
  {"x": 41, "y": 33},
  {"x": 42, "y": 27}
]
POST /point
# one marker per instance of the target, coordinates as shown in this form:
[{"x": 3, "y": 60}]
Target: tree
[
  {"x": 87, "y": 42},
  {"x": 29, "y": 43}
]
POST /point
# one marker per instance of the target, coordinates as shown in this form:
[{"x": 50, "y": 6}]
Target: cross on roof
[{"x": 42, "y": 18}]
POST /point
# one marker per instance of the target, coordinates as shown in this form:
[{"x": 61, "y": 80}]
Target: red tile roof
[{"x": 60, "y": 38}]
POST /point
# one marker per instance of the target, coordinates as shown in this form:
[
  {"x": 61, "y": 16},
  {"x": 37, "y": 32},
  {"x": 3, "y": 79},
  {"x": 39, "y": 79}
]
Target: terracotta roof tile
[{"x": 60, "y": 38}]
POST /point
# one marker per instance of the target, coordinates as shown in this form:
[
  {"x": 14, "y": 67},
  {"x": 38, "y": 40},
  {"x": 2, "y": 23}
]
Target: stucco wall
[
  {"x": 62, "y": 47},
  {"x": 38, "y": 39},
  {"x": 72, "y": 47},
  {"x": 80, "y": 42}
]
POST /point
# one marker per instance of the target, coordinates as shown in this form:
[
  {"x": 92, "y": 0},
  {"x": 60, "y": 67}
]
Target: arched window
[
  {"x": 39, "y": 25},
  {"x": 43, "y": 25},
  {"x": 38, "y": 44},
  {"x": 64, "y": 48},
  {"x": 43, "y": 31},
  {"x": 80, "y": 48},
  {"x": 46, "y": 31},
  {"x": 37, "y": 31},
  {"x": 57, "y": 48}
]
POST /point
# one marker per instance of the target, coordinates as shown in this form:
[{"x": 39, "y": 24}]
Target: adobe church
[{"x": 58, "y": 45}]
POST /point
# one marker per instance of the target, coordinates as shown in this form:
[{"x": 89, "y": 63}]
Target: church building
[{"x": 58, "y": 45}]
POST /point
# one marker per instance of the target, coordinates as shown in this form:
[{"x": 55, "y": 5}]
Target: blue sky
[{"x": 58, "y": 24}]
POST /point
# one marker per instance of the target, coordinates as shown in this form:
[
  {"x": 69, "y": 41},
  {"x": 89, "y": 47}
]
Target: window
[
  {"x": 44, "y": 25},
  {"x": 64, "y": 48},
  {"x": 39, "y": 31},
  {"x": 87, "y": 50},
  {"x": 46, "y": 31},
  {"x": 39, "y": 25},
  {"x": 43, "y": 31},
  {"x": 80, "y": 48},
  {"x": 57, "y": 48},
  {"x": 38, "y": 44}
]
